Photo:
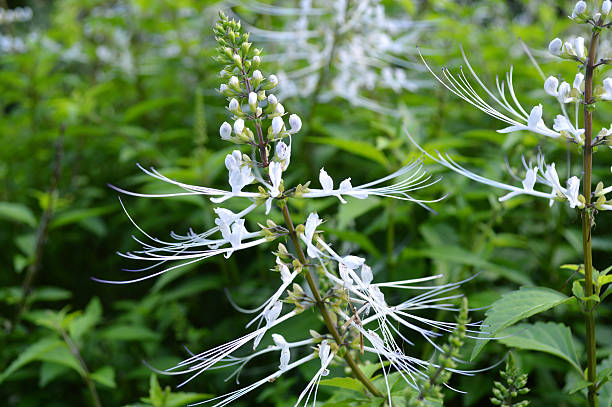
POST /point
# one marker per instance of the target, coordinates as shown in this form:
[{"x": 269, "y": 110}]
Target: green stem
[
  {"x": 75, "y": 351},
  {"x": 296, "y": 242},
  {"x": 587, "y": 218}
]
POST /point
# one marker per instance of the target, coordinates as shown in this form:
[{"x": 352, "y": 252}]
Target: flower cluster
[
  {"x": 356, "y": 45},
  {"x": 511, "y": 112},
  {"x": 13, "y": 43},
  {"x": 354, "y": 307}
]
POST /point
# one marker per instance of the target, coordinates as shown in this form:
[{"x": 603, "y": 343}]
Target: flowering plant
[
  {"x": 583, "y": 95},
  {"x": 341, "y": 287}
]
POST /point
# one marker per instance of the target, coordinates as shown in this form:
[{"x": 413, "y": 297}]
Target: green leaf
[
  {"x": 51, "y": 371},
  {"x": 549, "y": 337},
  {"x": 343, "y": 383},
  {"x": 183, "y": 399},
  {"x": 17, "y": 213},
  {"x": 87, "y": 320},
  {"x": 129, "y": 333},
  {"x": 146, "y": 106},
  {"x": 605, "y": 391},
  {"x": 77, "y": 215},
  {"x": 458, "y": 255},
  {"x": 513, "y": 307},
  {"x": 47, "y": 349},
  {"x": 578, "y": 385},
  {"x": 356, "y": 147},
  {"x": 105, "y": 376}
]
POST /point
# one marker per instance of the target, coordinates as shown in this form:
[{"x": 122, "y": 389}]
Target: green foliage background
[{"x": 156, "y": 105}]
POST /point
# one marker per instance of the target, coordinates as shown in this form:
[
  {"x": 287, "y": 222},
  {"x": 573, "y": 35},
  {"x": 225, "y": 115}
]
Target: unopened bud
[
  {"x": 555, "y": 46},
  {"x": 233, "y": 105},
  {"x": 550, "y": 86},
  {"x": 253, "y": 101},
  {"x": 239, "y": 126},
  {"x": 277, "y": 125},
  {"x": 234, "y": 83},
  {"x": 580, "y": 10},
  {"x": 295, "y": 122},
  {"x": 225, "y": 131},
  {"x": 605, "y": 7}
]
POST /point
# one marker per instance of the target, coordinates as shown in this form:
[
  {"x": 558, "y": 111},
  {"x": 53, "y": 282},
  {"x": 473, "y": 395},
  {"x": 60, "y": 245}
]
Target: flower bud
[
  {"x": 272, "y": 100},
  {"x": 256, "y": 61},
  {"x": 605, "y": 7},
  {"x": 237, "y": 61},
  {"x": 555, "y": 46},
  {"x": 253, "y": 101},
  {"x": 224, "y": 90},
  {"x": 578, "y": 81},
  {"x": 580, "y": 10},
  {"x": 295, "y": 122},
  {"x": 234, "y": 83},
  {"x": 256, "y": 78},
  {"x": 238, "y": 127},
  {"x": 233, "y": 105},
  {"x": 568, "y": 47},
  {"x": 579, "y": 47},
  {"x": 277, "y": 125},
  {"x": 225, "y": 131},
  {"x": 280, "y": 109},
  {"x": 607, "y": 83},
  {"x": 270, "y": 83},
  {"x": 564, "y": 92},
  {"x": 550, "y": 86}
]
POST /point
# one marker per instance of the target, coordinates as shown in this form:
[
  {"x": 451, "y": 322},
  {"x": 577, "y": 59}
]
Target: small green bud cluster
[
  {"x": 512, "y": 386},
  {"x": 440, "y": 375},
  {"x": 246, "y": 89}
]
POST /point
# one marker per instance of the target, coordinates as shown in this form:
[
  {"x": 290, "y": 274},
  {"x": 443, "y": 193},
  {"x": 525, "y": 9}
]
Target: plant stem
[
  {"x": 75, "y": 351},
  {"x": 296, "y": 242},
  {"x": 587, "y": 220}
]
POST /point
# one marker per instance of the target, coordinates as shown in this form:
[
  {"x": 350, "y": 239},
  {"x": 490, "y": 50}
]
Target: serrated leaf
[
  {"x": 105, "y": 376},
  {"x": 343, "y": 383},
  {"x": 550, "y": 337},
  {"x": 513, "y": 307},
  {"x": 17, "y": 213}
]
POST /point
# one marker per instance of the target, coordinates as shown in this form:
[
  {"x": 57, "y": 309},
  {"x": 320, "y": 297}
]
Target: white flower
[
  {"x": 233, "y": 105},
  {"x": 284, "y": 271},
  {"x": 276, "y": 177},
  {"x": 326, "y": 181},
  {"x": 270, "y": 315},
  {"x": 295, "y": 122},
  {"x": 253, "y": 100},
  {"x": 514, "y": 115},
  {"x": 579, "y": 47},
  {"x": 579, "y": 9},
  {"x": 225, "y": 131},
  {"x": 272, "y": 100},
  {"x": 239, "y": 172},
  {"x": 277, "y": 125},
  {"x": 565, "y": 93},
  {"x": 233, "y": 82},
  {"x": 310, "y": 227},
  {"x": 223, "y": 88},
  {"x": 257, "y": 75},
  {"x": 555, "y": 46},
  {"x": 280, "y": 109},
  {"x": 273, "y": 79},
  {"x": 607, "y": 83},
  {"x": 562, "y": 124},
  {"x": 366, "y": 274},
  {"x": 578, "y": 80},
  {"x": 573, "y": 185},
  {"x": 283, "y": 154},
  {"x": 353, "y": 262},
  {"x": 550, "y": 86},
  {"x": 238, "y": 127},
  {"x": 605, "y": 7}
]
